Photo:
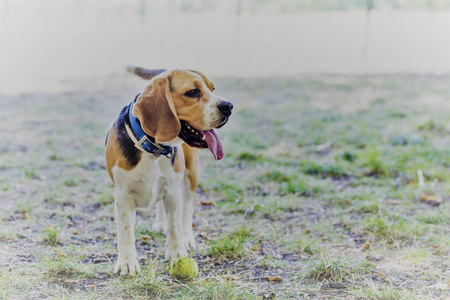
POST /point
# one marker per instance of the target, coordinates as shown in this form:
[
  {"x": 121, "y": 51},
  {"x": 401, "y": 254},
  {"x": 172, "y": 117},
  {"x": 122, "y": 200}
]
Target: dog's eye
[{"x": 195, "y": 93}]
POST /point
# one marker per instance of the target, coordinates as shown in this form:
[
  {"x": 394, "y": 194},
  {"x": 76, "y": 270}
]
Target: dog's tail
[{"x": 144, "y": 73}]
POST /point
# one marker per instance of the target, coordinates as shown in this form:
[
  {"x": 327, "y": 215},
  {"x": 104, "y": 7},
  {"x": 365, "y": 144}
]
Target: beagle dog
[{"x": 152, "y": 156}]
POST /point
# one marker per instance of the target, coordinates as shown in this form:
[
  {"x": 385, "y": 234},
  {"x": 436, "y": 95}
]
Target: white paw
[
  {"x": 127, "y": 266},
  {"x": 160, "y": 227},
  {"x": 172, "y": 254},
  {"x": 189, "y": 242}
]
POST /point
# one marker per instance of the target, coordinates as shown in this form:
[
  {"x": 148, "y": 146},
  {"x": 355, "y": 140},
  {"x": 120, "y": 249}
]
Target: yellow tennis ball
[{"x": 184, "y": 269}]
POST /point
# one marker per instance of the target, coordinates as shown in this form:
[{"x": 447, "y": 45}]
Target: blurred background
[{"x": 53, "y": 46}]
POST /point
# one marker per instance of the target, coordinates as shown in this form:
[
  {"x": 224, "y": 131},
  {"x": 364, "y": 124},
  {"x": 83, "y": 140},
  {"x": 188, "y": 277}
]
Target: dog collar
[{"x": 146, "y": 142}]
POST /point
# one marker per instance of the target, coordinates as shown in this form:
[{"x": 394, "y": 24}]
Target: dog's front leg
[
  {"x": 174, "y": 243},
  {"x": 187, "y": 215},
  {"x": 125, "y": 213}
]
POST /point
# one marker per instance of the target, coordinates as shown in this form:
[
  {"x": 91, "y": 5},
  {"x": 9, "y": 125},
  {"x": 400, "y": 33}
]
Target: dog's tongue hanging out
[{"x": 214, "y": 144}]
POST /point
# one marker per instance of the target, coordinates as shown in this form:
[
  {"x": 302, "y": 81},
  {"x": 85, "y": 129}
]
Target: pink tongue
[{"x": 214, "y": 144}]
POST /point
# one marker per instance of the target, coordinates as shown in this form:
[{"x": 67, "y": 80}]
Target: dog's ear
[{"x": 156, "y": 111}]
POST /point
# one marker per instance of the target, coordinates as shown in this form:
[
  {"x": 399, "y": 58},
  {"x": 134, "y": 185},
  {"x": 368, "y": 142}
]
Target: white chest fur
[{"x": 151, "y": 180}]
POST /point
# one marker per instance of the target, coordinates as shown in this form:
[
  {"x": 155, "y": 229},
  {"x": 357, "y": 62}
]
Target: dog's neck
[{"x": 144, "y": 142}]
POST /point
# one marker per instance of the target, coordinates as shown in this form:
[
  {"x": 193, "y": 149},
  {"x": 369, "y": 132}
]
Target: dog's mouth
[
  {"x": 202, "y": 139},
  {"x": 225, "y": 120}
]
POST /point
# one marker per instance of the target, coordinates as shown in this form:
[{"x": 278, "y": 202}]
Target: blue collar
[{"x": 148, "y": 143}]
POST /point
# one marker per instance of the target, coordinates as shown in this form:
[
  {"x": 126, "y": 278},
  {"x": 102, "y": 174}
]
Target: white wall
[{"x": 49, "y": 45}]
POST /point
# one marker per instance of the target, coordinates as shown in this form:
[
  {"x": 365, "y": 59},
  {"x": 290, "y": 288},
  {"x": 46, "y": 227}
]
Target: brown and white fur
[{"x": 173, "y": 102}]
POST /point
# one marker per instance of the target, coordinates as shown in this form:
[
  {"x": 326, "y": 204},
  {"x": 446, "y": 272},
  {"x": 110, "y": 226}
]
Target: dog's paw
[
  {"x": 160, "y": 227},
  {"x": 127, "y": 266},
  {"x": 172, "y": 254},
  {"x": 189, "y": 242}
]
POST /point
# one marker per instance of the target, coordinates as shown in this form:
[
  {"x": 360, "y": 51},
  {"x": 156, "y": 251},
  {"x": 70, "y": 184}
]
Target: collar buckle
[
  {"x": 145, "y": 143},
  {"x": 155, "y": 148}
]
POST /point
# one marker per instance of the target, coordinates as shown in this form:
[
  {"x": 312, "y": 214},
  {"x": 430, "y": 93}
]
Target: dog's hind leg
[{"x": 160, "y": 224}]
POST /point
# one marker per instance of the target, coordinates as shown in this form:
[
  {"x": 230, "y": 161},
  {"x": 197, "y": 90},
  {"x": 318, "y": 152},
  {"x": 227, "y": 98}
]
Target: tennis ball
[{"x": 184, "y": 269}]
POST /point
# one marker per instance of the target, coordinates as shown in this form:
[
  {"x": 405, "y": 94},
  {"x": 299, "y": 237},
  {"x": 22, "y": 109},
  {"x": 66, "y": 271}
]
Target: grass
[
  {"x": 334, "y": 269},
  {"x": 52, "y": 235},
  {"x": 324, "y": 171},
  {"x": 319, "y": 187},
  {"x": 383, "y": 292},
  {"x": 231, "y": 246},
  {"x": 149, "y": 283},
  {"x": 375, "y": 163},
  {"x": 307, "y": 245}
]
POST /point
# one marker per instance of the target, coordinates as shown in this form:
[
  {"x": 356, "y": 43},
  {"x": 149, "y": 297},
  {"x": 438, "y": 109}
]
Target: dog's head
[{"x": 181, "y": 103}]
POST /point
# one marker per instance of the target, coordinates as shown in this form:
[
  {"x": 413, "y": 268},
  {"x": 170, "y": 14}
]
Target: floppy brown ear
[{"x": 155, "y": 110}]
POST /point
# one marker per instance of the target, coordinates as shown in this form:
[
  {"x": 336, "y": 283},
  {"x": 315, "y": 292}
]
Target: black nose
[{"x": 225, "y": 107}]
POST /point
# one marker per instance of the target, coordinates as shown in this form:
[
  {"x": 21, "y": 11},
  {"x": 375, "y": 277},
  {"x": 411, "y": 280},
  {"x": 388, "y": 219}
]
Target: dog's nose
[{"x": 225, "y": 107}]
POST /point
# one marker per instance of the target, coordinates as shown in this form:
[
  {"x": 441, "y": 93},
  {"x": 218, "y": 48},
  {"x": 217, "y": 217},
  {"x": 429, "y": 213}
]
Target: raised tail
[{"x": 144, "y": 73}]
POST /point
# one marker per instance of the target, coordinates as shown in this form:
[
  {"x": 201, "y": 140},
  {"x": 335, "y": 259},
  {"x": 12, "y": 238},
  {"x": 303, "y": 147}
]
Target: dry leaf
[
  {"x": 325, "y": 146},
  {"x": 207, "y": 203},
  {"x": 204, "y": 235},
  {"x": 306, "y": 231},
  {"x": 146, "y": 238},
  {"x": 274, "y": 278},
  {"x": 256, "y": 248},
  {"x": 229, "y": 277},
  {"x": 366, "y": 246},
  {"x": 59, "y": 254},
  {"x": 432, "y": 200},
  {"x": 269, "y": 296}
]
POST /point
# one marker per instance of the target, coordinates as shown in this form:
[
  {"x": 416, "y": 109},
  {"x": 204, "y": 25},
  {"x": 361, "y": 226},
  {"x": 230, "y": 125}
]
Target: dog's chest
[{"x": 148, "y": 182}]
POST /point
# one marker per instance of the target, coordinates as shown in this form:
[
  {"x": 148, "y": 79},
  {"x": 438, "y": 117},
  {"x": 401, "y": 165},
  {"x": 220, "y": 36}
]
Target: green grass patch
[
  {"x": 308, "y": 245},
  {"x": 431, "y": 125},
  {"x": 231, "y": 192},
  {"x": 150, "y": 283},
  {"x": 375, "y": 163},
  {"x": 229, "y": 246},
  {"x": 247, "y": 156},
  {"x": 324, "y": 170},
  {"x": 349, "y": 156},
  {"x": 334, "y": 269},
  {"x": 52, "y": 235},
  {"x": 275, "y": 176},
  {"x": 376, "y": 291},
  {"x": 295, "y": 186}
]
